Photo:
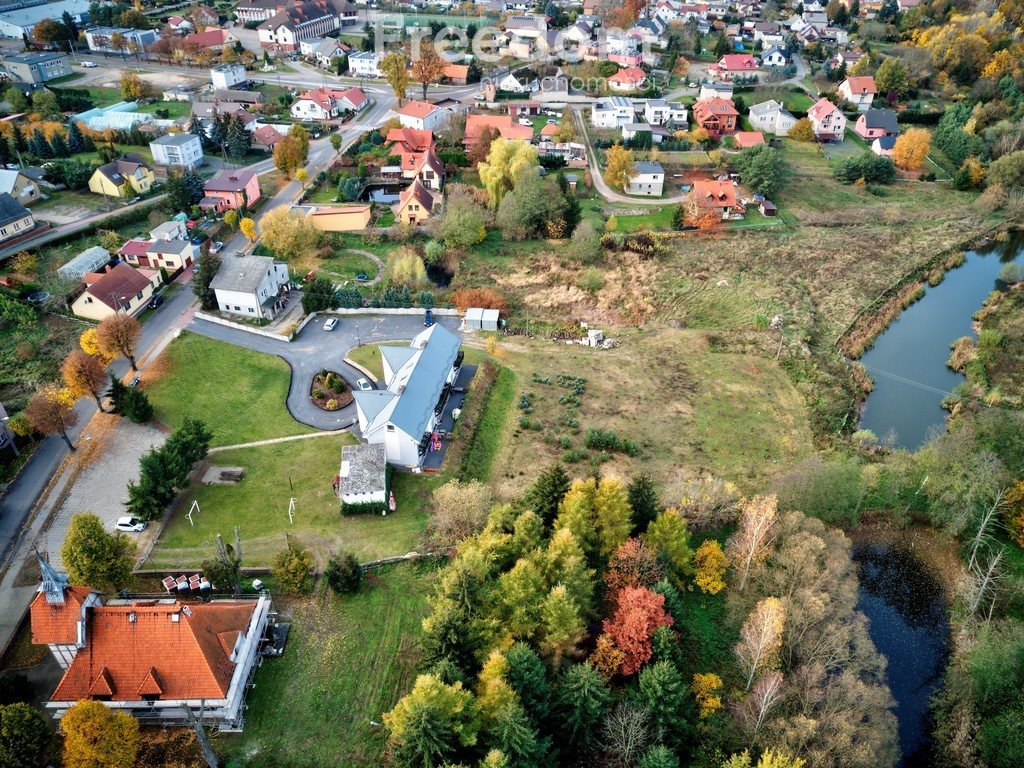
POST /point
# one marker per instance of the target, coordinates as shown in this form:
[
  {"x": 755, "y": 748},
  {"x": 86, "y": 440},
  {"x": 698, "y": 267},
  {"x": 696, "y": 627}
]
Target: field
[
  {"x": 348, "y": 661},
  {"x": 368, "y": 356},
  {"x": 240, "y": 394},
  {"x": 344, "y": 266}
]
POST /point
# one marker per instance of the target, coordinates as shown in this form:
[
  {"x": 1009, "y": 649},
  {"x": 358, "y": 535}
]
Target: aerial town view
[{"x": 512, "y": 384}]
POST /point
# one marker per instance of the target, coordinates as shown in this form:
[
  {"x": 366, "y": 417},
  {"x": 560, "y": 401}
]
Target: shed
[
  {"x": 767, "y": 208},
  {"x": 89, "y": 260},
  {"x": 478, "y": 319},
  {"x": 362, "y": 477}
]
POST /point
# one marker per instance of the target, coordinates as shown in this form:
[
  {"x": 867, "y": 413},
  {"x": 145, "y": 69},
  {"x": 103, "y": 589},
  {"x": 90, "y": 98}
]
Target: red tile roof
[
  {"x": 863, "y": 84},
  {"x": 267, "y": 135},
  {"x": 207, "y": 39},
  {"x": 139, "y": 649},
  {"x": 713, "y": 107},
  {"x": 413, "y": 139},
  {"x": 744, "y": 139},
  {"x": 508, "y": 129},
  {"x": 57, "y": 624},
  {"x": 456, "y": 71},
  {"x": 737, "y": 62},
  {"x": 715, "y": 193},
  {"x": 418, "y": 109},
  {"x": 822, "y": 108},
  {"x": 120, "y": 280},
  {"x": 135, "y": 247},
  {"x": 628, "y": 76}
]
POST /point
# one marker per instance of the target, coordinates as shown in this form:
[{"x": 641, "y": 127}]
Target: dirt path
[
  {"x": 273, "y": 440},
  {"x": 372, "y": 257}
]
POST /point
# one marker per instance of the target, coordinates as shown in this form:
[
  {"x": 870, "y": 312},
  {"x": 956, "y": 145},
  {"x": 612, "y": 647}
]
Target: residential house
[
  {"x": 168, "y": 246},
  {"x": 619, "y": 48},
  {"x": 859, "y": 91},
  {"x": 770, "y": 117},
  {"x": 732, "y": 65},
  {"x": 19, "y": 186},
  {"x": 649, "y": 32},
  {"x": 205, "y": 16},
  {"x": 125, "y": 177},
  {"x": 827, "y": 120},
  {"x": 409, "y": 141},
  {"x": 415, "y": 205},
  {"x": 523, "y": 108},
  {"x": 337, "y": 218},
  {"x": 214, "y": 39},
  {"x": 299, "y": 21},
  {"x": 36, "y": 67},
  {"x": 100, "y": 39},
  {"x": 422, "y": 115},
  {"x": 876, "y": 123},
  {"x": 717, "y": 195},
  {"x": 774, "y": 57},
  {"x": 579, "y": 33},
  {"x": 661, "y": 112},
  {"x": 456, "y": 74},
  {"x": 769, "y": 33},
  {"x": 177, "y": 150},
  {"x": 180, "y": 25},
  {"x": 266, "y": 137},
  {"x": 328, "y": 50},
  {"x": 363, "y": 477},
  {"x": 231, "y": 189},
  {"x": 520, "y": 81},
  {"x": 747, "y": 139},
  {"x": 612, "y": 112},
  {"x": 228, "y": 76},
  {"x": 716, "y": 116},
  {"x": 427, "y": 168},
  {"x": 251, "y": 286},
  {"x": 884, "y": 146},
  {"x": 715, "y": 91},
  {"x": 15, "y": 219},
  {"x": 365, "y": 64},
  {"x": 845, "y": 58},
  {"x": 649, "y": 180},
  {"x": 509, "y": 129},
  {"x": 630, "y": 79},
  {"x": 150, "y": 658},
  {"x": 327, "y": 103},
  {"x": 417, "y": 378},
  {"x": 90, "y": 260},
  {"x": 120, "y": 289}
]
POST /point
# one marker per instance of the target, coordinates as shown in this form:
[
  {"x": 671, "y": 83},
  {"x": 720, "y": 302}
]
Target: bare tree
[
  {"x": 626, "y": 734},
  {"x": 761, "y": 638},
  {"x": 752, "y": 712},
  {"x": 982, "y": 580},
  {"x": 982, "y": 536},
  {"x": 751, "y": 543}
]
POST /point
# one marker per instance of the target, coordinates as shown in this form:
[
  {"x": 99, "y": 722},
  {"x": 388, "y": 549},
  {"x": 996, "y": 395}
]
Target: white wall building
[
  {"x": 365, "y": 64},
  {"x": 227, "y": 76},
  {"x": 250, "y": 286},
  {"x": 770, "y": 117},
  {"x": 612, "y": 112},
  {"x": 648, "y": 181},
  {"x": 177, "y": 150}
]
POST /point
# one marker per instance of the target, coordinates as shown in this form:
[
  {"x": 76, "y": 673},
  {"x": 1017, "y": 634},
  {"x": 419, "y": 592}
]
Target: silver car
[{"x": 130, "y": 524}]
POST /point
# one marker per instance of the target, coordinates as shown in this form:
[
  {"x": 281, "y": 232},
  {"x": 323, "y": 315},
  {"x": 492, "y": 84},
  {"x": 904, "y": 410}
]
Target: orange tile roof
[
  {"x": 413, "y": 139},
  {"x": 419, "y": 109},
  {"x": 154, "y": 654},
  {"x": 57, "y": 624},
  {"x": 715, "y": 193},
  {"x": 631, "y": 76},
  {"x": 456, "y": 71},
  {"x": 508, "y": 129},
  {"x": 421, "y": 193},
  {"x": 862, "y": 84},
  {"x": 549, "y": 129},
  {"x": 744, "y": 139}
]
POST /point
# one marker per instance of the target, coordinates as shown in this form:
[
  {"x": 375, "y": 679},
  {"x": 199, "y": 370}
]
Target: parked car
[
  {"x": 364, "y": 385},
  {"x": 330, "y": 324},
  {"x": 197, "y": 240},
  {"x": 89, "y": 64},
  {"x": 38, "y": 298},
  {"x": 428, "y": 318},
  {"x": 525, "y": 121},
  {"x": 155, "y": 302},
  {"x": 216, "y": 246},
  {"x": 480, "y": 97},
  {"x": 130, "y": 524},
  {"x": 552, "y": 122}
]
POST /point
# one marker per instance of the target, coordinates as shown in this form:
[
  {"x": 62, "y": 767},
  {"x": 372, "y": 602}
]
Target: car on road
[
  {"x": 38, "y": 298},
  {"x": 428, "y": 318},
  {"x": 130, "y": 524},
  {"x": 364, "y": 385},
  {"x": 155, "y": 302},
  {"x": 331, "y": 323},
  {"x": 216, "y": 246},
  {"x": 89, "y": 64},
  {"x": 480, "y": 97}
]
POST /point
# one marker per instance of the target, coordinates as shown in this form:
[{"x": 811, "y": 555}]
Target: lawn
[
  {"x": 348, "y": 661},
  {"x": 175, "y": 109},
  {"x": 656, "y": 218},
  {"x": 239, "y": 393},
  {"x": 303, "y": 470},
  {"x": 345, "y": 265},
  {"x": 368, "y": 356}
]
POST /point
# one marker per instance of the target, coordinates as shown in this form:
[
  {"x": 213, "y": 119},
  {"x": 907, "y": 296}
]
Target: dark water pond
[
  {"x": 908, "y": 361},
  {"x": 909, "y": 626}
]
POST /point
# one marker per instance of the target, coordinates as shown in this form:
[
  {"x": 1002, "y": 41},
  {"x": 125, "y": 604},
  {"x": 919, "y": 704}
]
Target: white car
[
  {"x": 89, "y": 64},
  {"x": 480, "y": 97},
  {"x": 330, "y": 324},
  {"x": 364, "y": 385},
  {"x": 217, "y": 245},
  {"x": 526, "y": 121},
  {"x": 130, "y": 524}
]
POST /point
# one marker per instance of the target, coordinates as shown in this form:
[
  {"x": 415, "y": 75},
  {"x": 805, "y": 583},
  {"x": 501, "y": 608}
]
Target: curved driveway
[{"x": 315, "y": 349}]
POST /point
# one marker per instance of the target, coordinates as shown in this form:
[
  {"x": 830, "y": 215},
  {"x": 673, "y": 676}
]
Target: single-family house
[
  {"x": 15, "y": 219},
  {"x": 90, "y": 260},
  {"x": 884, "y": 146},
  {"x": 648, "y": 179},
  {"x": 629, "y": 79},
  {"x": 876, "y": 123},
  {"x": 770, "y": 117},
  {"x": 327, "y": 103},
  {"x": 213, "y": 39},
  {"x": 417, "y": 378},
  {"x": 509, "y": 129},
  {"x": 230, "y": 189},
  {"x": 456, "y": 74},
  {"x": 127, "y": 176},
  {"x": 117, "y": 651},
  {"x": 19, "y": 186},
  {"x": 717, "y": 195},
  {"x": 747, "y": 139},
  {"x": 732, "y": 65},
  {"x": 619, "y": 48},
  {"x": 716, "y": 116},
  {"x": 337, "y": 218},
  {"x": 661, "y": 112},
  {"x": 180, "y": 25},
  {"x": 612, "y": 112},
  {"x": 774, "y": 57},
  {"x": 519, "y": 81},
  {"x": 715, "y": 91},
  {"x": 328, "y": 50},
  {"x": 415, "y": 205},
  {"x": 845, "y": 58},
  {"x": 266, "y": 137},
  {"x": 365, "y": 64},
  {"x": 228, "y": 76},
  {"x": 408, "y": 141},
  {"x": 768, "y": 33},
  {"x": 252, "y": 286},
  {"x": 827, "y": 121},
  {"x": 859, "y": 91},
  {"x": 120, "y": 289},
  {"x": 428, "y": 169},
  {"x": 422, "y": 115},
  {"x": 363, "y": 476},
  {"x": 177, "y": 150}
]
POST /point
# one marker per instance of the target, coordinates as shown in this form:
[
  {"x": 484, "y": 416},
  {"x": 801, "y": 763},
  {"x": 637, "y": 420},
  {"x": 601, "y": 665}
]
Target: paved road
[{"x": 315, "y": 349}]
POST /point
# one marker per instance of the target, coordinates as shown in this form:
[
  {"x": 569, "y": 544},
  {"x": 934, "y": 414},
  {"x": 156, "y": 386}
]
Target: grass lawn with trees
[{"x": 240, "y": 394}]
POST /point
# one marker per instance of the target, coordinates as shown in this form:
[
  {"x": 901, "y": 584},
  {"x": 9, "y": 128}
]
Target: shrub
[
  {"x": 291, "y": 568},
  {"x": 343, "y": 573},
  {"x": 607, "y": 440},
  {"x": 486, "y": 298}
]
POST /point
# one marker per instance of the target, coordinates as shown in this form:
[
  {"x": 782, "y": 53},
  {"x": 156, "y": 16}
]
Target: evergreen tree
[
  {"x": 209, "y": 265},
  {"x": 666, "y": 696},
  {"x": 239, "y": 140},
  {"x": 643, "y": 501},
  {"x": 39, "y": 146},
  {"x": 6, "y": 155},
  {"x": 76, "y": 143},
  {"x": 583, "y": 699},
  {"x": 658, "y": 756},
  {"x": 547, "y": 492},
  {"x": 18, "y": 138},
  {"x": 517, "y": 738},
  {"x": 195, "y": 127},
  {"x": 58, "y": 146},
  {"x": 527, "y": 678},
  {"x": 218, "y": 134}
]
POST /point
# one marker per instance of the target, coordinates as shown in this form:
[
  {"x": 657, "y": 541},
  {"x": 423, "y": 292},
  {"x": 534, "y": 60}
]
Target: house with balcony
[
  {"x": 716, "y": 116},
  {"x": 232, "y": 189},
  {"x": 127, "y": 176},
  {"x": 612, "y": 112},
  {"x": 251, "y": 286},
  {"x": 827, "y": 121},
  {"x": 177, "y": 150}
]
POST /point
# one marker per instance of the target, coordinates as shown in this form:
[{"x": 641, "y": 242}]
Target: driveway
[{"x": 315, "y": 349}]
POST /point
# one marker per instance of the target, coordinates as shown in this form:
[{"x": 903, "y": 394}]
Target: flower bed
[{"x": 330, "y": 391}]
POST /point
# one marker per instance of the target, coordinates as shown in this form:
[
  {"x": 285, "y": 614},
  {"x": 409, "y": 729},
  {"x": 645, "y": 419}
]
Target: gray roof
[
  {"x": 649, "y": 167},
  {"x": 422, "y": 391},
  {"x": 886, "y": 142},
  {"x": 175, "y": 139},
  {"x": 242, "y": 273},
  {"x": 396, "y": 356},
  {"x": 363, "y": 468},
  {"x": 373, "y": 401},
  {"x": 33, "y": 58},
  {"x": 11, "y": 210},
  {"x": 169, "y": 246},
  {"x": 882, "y": 118}
]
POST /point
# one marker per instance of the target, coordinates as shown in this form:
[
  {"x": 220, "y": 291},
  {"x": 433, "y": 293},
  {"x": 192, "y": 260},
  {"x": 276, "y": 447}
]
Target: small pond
[{"x": 909, "y": 626}]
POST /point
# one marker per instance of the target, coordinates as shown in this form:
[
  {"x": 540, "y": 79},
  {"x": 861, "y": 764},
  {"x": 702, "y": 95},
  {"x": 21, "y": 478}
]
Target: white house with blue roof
[{"x": 418, "y": 379}]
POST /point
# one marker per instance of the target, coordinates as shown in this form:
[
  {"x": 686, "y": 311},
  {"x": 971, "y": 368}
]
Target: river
[
  {"x": 909, "y": 626},
  {"x": 908, "y": 360}
]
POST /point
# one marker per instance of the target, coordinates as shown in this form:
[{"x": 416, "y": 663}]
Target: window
[{"x": 391, "y": 427}]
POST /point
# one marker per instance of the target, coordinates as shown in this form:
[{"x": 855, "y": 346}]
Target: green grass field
[
  {"x": 368, "y": 356},
  {"x": 349, "y": 659},
  {"x": 345, "y": 266},
  {"x": 240, "y": 394},
  {"x": 175, "y": 109}
]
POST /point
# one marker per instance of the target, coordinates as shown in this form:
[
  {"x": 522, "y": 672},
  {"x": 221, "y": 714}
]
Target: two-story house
[
  {"x": 648, "y": 180},
  {"x": 827, "y": 121},
  {"x": 251, "y": 286},
  {"x": 127, "y": 176},
  {"x": 859, "y": 91},
  {"x": 177, "y": 150},
  {"x": 231, "y": 189}
]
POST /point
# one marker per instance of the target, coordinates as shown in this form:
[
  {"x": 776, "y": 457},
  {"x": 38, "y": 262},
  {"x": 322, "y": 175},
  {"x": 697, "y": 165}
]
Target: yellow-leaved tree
[
  {"x": 912, "y": 149},
  {"x": 711, "y": 565},
  {"x": 761, "y": 638},
  {"x": 705, "y": 689},
  {"x": 505, "y": 160},
  {"x": 95, "y": 735},
  {"x": 247, "y": 226},
  {"x": 619, "y": 167}
]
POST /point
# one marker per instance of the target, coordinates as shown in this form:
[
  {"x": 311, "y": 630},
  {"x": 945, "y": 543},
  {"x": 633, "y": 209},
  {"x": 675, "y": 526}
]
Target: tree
[
  {"x": 26, "y": 264},
  {"x": 432, "y": 724},
  {"x": 134, "y": 87},
  {"x": 755, "y": 535},
  {"x": 238, "y": 140},
  {"x": 634, "y": 564},
  {"x": 343, "y": 573},
  {"x": 763, "y": 169},
  {"x": 524, "y": 211},
  {"x": 288, "y": 155},
  {"x": 459, "y": 510},
  {"x": 619, "y": 167},
  {"x": 16, "y": 100},
  {"x": 515, "y": 736},
  {"x": 658, "y": 756},
  {"x": 752, "y": 712},
  {"x": 95, "y": 558},
  {"x": 464, "y": 222},
  {"x": 96, "y": 736},
  {"x": 626, "y": 735},
  {"x": 1007, "y": 171},
  {"x": 520, "y": 599},
  {"x": 130, "y": 402},
  {"x": 669, "y": 536},
  {"x": 336, "y": 141},
  {"x": 891, "y": 77},
  {"x": 643, "y": 501},
  {"x": 231, "y": 218},
  {"x": 761, "y": 638},
  {"x": 505, "y": 162},
  {"x": 87, "y": 341},
  {"x": 25, "y": 735},
  {"x": 405, "y": 267},
  {"x": 319, "y": 295},
  {"x": 225, "y": 569},
  {"x": 612, "y": 515},
  {"x": 50, "y": 411},
  {"x": 247, "y": 226},
  {"x": 802, "y": 130},
  {"x": 291, "y": 568},
  {"x": 428, "y": 68},
  {"x": 301, "y": 135},
  {"x": 912, "y": 149},
  {"x": 524, "y": 673},
  {"x": 51, "y": 31},
  {"x": 582, "y": 700},
  {"x": 479, "y": 151},
  {"x": 711, "y": 567},
  {"x": 289, "y": 235},
  {"x": 209, "y": 266},
  {"x": 84, "y": 375},
  {"x": 118, "y": 336},
  {"x": 393, "y": 67},
  {"x": 562, "y": 626},
  {"x": 665, "y": 695},
  {"x": 705, "y": 689},
  {"x": 768, "y": 759},
  {"x": 638, "y": 613},
  {"x": 45, "y": 103},
  {"x": 585, "y": 244}
]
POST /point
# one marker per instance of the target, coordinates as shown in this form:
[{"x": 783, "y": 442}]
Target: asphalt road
[{"x": 315, "y": 349}]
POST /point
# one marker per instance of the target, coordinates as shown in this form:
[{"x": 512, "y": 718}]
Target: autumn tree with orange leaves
[{"x": 638, "y": 613}]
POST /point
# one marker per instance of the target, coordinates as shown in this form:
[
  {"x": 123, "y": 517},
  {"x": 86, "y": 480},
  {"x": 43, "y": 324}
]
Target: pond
[
  {"x": 909, "y": 626},
  {"x": 908, "y": 361}
]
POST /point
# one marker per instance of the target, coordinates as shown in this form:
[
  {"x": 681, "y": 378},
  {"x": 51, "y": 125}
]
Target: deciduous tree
[
  {"x": 459, "y": 510},
  {"x": 505, "y": 161},
  {"x": 95, "y": 558},
  {"x": 289, "y": 235},
  {"x": 247, "y": 226},
  {"x": 802, "y": 130},
  {"x": 619, "y": 166},
  {"x": 705, "y": 689},
  {"x": 96, "y": 736},
  {"x": 562, "y": 626},
  {"x": 761, "y": 638},
  {"x": 752, "y": 711},
  {"x": 891, "y": 77},
  {"x": 612, "y": 515},
  {"x": 25, "y": 735},
  {"x": 394, "y": 69},
  {"x": 634, "y": 564},
  {"x": 292, "y": 568},
  {"x": 428, "y": 68},
  {"x": 464, "y": 222},
  {"x": 638, "y": 612},
  {"x": 711, "y": 567},
  {"x": 288, "y": 155},
  {"x": 912, "y": 149},
  {"x": 50, "y": 411},
  {"x": 668, "y": 536},
  {"x": 754, "y": 537},
  {"x": 432, "y": 724},
  {"x": 118, "y": 336},
  {"x": 84, "y": 375}
]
